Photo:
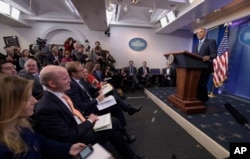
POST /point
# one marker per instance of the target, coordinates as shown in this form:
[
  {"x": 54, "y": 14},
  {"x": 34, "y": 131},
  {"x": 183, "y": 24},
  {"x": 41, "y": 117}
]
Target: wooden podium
[{"x": 188, "y": 67}]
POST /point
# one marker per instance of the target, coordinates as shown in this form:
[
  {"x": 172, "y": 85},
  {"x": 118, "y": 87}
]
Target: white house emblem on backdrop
[
  {"x": 137, "y": 44},
  {"x": 244, "y": 36}
]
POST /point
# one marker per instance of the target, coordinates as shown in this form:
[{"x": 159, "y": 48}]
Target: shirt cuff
[{"x": 90, "y": 120}]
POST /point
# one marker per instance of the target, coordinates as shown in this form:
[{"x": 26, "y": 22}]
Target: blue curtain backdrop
[
  {"x": 238, "y": 82},
  {"x": 239, "y": 60}
]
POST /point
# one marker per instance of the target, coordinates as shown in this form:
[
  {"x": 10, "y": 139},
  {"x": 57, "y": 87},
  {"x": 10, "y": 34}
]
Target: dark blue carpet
[{"x": 217, "y": 122}]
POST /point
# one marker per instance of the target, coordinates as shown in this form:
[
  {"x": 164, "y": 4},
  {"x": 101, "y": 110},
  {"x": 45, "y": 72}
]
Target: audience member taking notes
[
  {"x": 54, "y": 118},
  {"x": 103, "y": 122},
  {"x": 106, "y": 102}
]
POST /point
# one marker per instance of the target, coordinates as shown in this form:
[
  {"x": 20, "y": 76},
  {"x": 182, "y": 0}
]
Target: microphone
[{"x": 239, "y": 117}]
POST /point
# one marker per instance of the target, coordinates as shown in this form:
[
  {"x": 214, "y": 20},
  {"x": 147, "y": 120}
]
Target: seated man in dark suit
[
  {"x": 57, "y": 118},
  {"x": 82, "y": 95},
  {"x": 131, "y": 75},
  {"x": 144, "y": 74},
  {"x": 169, "y": 76},
  {"x": 55, "y": 57},
  {"x": 30, "y": 71}
]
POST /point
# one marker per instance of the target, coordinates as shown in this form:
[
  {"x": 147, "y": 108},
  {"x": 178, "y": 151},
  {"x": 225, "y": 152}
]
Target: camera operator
[{"x": 40, "y": 51}]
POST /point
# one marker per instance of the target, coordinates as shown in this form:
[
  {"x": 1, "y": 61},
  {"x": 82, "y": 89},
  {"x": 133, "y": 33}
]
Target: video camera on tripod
[{"x": 41, "y": 43}]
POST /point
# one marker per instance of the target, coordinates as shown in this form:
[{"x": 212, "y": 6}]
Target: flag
[{"x": 220, "y": 63}]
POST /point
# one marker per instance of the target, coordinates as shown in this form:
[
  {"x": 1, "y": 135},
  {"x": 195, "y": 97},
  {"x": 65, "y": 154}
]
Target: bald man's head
[{"x": 55, "y": 78}]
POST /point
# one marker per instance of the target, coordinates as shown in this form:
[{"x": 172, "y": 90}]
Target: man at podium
[{"x": 206, "y": 48}]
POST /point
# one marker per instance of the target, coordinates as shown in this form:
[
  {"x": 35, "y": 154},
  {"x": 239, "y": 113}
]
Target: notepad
[
  {"x": 106, "y": 88},
  {"x": 106, "y": 102},
  {"x": 99, "y": 152},
  {"x": 103, "y": 122}
]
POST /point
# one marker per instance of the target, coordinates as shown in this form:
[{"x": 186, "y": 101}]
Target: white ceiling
[{"x": 93, "y": 13}]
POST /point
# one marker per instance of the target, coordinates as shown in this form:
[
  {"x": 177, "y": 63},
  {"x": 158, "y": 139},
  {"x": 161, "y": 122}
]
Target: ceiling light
[
  {"x": 125, "y": 8},
  {"x": 5, "y": 8},
  {"x": 191, "y": 1},
  {"x": 171, "y": 16},
  {"x": 15, "y": 13},
  {"x": 164, "y": 22},
  {"x": 134, "y": 1},
  {"x": 217, "y": 10},
  {"x": 151, "y": 10},
  {"x": 110, "y": 8}
]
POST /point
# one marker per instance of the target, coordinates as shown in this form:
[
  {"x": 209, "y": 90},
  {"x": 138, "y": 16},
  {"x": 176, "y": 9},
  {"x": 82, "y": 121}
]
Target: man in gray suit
[{"x": 208, "y": 50}]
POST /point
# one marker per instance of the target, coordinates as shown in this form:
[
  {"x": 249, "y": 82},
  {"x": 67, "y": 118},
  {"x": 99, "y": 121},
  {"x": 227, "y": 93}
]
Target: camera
[
  {"x": 86, "y": 152},
  {"x": 41, "y": 43}
]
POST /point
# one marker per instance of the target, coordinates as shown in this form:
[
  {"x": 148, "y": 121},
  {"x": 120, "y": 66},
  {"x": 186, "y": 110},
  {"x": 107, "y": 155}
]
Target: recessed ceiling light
[
  {"x": 135, "y": 1},
  {"x": 217, "y": 10}
]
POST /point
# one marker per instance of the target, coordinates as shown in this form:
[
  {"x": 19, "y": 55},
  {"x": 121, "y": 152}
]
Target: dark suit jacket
[
  {"x": 80, "y": 97},
  {"x": 127, "y": 70},
  {"x": 208, "y": 48},
  {"x": 99, "y": 76},
  {"x": 37, "y": 90},
  {"x": 39, "y": 147},
  {"x": 50, "y": 59},
  {"x": 141, "y": 71},
  {"x": 172, "y": 75},
  {"x": 54, "y": 120},
  {"x": 172, "y": 72}
]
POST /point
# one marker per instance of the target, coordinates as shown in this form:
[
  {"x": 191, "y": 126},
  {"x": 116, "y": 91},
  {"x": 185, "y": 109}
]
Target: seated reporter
[
  {"x": 7, "y": 68},
  {"x": 95, "y": 90},
  {"x": 80, "y": 94},
  {"x": 18, "y": 140},
  {"x": 31, "y": 72},
  {"x": 57, "y": 118},
  {"x": 144, "y": 74}
]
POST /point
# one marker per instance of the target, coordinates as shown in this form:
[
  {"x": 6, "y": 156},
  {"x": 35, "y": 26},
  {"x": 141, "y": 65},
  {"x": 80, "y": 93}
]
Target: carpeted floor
[
  {"x": 158, "y": 135},
  {"x": 217, "y": 122}
]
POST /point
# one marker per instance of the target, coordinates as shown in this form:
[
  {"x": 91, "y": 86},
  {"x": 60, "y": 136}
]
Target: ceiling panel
[{"x": 93, "y": 13}]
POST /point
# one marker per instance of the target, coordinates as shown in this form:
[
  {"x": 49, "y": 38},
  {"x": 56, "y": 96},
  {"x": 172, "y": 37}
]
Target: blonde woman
[{"x": 17, "y": 138}]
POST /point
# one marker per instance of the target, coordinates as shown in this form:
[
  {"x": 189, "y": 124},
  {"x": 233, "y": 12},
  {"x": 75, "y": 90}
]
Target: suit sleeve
[
  {"x": 53, "y": 122},
  {"x": 140, "y": 71},
  {"x": 80, "y": 99},
  {"x": 52, "y": 148},
  {"x": 212, "y": 49}
]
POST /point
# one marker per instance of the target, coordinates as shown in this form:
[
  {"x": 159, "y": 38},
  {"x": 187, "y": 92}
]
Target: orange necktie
[{"x": 74, "y": 111}]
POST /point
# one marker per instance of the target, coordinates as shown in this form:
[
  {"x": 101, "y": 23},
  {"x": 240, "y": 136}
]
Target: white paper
[
  {"x": 103, "y": 122},
  {"x": 106, "y": 102},
  {"x": 106, "y": 88},
  {"x": 99, "y": 153}
]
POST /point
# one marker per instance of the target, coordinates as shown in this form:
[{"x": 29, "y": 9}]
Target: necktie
[
  {"x": 131, "y": 70},
  {"x": 85, "y": 90},
  {"x": 74, "y": 111},
  {"x": 145, "y": 70},
  {"x": 199, "y": 46},
  {"x": 36, "y": 76}
]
